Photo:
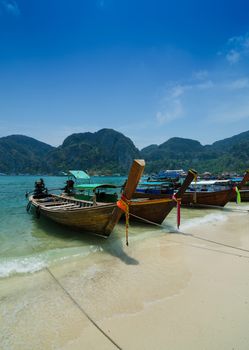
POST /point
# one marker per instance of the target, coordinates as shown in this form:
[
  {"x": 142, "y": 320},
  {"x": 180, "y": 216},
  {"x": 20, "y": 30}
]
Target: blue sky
[{"x": 149, "y": 69}]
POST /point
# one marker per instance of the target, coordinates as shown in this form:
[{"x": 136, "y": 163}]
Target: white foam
[
  {"x": 21, "y": 265},
  {"x": 34, "y": 263},
  {"x": 207, "y": 219}
]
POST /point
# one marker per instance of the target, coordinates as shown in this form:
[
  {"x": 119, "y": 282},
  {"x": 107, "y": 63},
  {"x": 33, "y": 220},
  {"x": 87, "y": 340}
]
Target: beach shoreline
[{"x": 184, "y": 290}]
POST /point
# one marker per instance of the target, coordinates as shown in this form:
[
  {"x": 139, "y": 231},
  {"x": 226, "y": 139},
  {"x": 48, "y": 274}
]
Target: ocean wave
[
  {"x": 21, "y": 265},
  {"x": 207, "y": 219},
  {"x": 34, "y": 263}
]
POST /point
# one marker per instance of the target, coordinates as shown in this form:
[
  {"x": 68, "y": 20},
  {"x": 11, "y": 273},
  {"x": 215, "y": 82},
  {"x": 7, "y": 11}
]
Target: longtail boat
[
  {"x": 154, "y": 209},
  {"x": 141, "y": 208},
  {"x": 244, "y": 190},
  {"x": 96, "y": 218},
  {"x": 213, "y": 198},
  {"x": 209, "y": 195},
  {"x": 244, "y": 194}
]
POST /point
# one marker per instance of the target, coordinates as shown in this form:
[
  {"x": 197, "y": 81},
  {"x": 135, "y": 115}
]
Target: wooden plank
[{"x": 135, "y": 174}]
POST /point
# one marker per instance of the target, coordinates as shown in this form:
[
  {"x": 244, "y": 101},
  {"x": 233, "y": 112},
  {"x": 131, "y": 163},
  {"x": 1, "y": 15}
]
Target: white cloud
[
  {"x": 205, "y": 85},
  {"x": 176, "y": 96},
  {"x": 240, "y": 42},
  {"x": 238, "y": 84},
  {"x": 11, "y": 6},
  {"x": 237, "y": 48},
  {"x": 230, "y": 112},
  {"x": 173, "y": 111},
  {"x": 177, "y": 91},
  {"x": 233, "y": 56},
  {"x": 200, "y": 75}
]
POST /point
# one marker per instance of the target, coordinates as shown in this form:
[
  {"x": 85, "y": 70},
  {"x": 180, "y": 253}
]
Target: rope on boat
[
  {"x": 123, "y": 203},
  {"x": 82, "y": 310},
  {"x": 195, "y": 180},
  {"x": 80, "y": 307},
  {"x": 238, "y": 197},
  {"x": 178, "y": 209},
  {"x": 211, "y": 241},
  {"x": 191, "y": 235},
  {"x": 220, "y": 208}
]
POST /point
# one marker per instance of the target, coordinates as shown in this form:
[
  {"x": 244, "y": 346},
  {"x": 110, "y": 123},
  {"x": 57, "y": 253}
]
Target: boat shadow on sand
[{"x": 43, "y": 229}]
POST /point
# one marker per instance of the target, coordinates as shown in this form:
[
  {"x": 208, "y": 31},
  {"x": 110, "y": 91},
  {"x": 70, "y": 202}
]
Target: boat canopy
[
  {"x": 154, "y": 183},
  {"x": 79, "y": 174},
  {"x": 236, "y": 179},
  {"x": 211, "y": 182},
  {"x": 93, "y": 187}
]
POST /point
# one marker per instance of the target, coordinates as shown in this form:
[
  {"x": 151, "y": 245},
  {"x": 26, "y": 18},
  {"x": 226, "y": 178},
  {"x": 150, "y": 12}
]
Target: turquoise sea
[
  {"x": 28, "y": 244},
  {"x": 52, "y": 277}
]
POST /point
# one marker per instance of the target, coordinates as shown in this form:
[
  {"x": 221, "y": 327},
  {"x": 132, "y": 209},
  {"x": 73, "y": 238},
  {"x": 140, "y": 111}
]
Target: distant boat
[
  {"x": 140, "y": 208},
  {"x": 244, "y": 194},
  {"x": 96, "y": 218},
  {"x": 201, "y": 193},
  {"x": 156, "y": 208},
  {"x": 167, "y": 175},
  {"x": 244, "y": 189}
]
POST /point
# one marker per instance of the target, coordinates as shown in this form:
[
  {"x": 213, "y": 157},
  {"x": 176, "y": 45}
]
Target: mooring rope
[
  {"x": 82, "y": 310},
  {"x": 211, "y": 241},
  {"x": 211, "y": 249},
  {"x": 220, "y": 208},
  {"x": 158, "y": 225},
  {"x": 190, "y": 234},
  {"x": 79, "y": 306}
]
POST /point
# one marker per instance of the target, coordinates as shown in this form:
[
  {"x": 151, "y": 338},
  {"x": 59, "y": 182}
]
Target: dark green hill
[
  {"x": 22, "y": 154},
  {"x": 226, "y": 144},
  {"x": 108, "y": 151},
  {"x": 231, "y": 154},
  {"x": 105, "y": 151},
  {"x": 173, "y": 154}
]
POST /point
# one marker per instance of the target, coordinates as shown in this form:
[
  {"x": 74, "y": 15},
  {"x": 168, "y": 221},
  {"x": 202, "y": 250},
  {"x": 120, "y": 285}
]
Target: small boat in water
[
  {"x": 199, "y": 194},
  {"x": 213, "y": 192},
  {"x": 244, "y": 189},
  {"x": 154, "y": 207},
  {"x": 141, "y": 207},
  {"x": 244, "y": 194},
  {"x": 90, "y": 216}
]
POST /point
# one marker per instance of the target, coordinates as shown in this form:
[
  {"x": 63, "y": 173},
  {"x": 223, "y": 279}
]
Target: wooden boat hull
[
  {"x": 97, "y": 218},
  {"x": 244, "y": 195},
  {"x": 204, "y": 198},
  {"x": 154, "y": 210},
  {"x": 217, "y": 198},
  {"x": 156, "y": 207},
  {"x": 189, "y": 199},
  {"x": 94, "y": 219}
]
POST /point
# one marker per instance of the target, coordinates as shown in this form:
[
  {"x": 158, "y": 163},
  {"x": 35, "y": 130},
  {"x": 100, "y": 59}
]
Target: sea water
[{"x": 29, "y": 244}]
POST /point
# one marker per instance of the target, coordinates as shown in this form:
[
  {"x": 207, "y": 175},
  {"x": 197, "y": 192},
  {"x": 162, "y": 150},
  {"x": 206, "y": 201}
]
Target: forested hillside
[{"x": 108, "y": 151}]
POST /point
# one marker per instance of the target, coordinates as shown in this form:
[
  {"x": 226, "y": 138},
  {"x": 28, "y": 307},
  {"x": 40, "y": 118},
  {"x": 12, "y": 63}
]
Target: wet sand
[{"x": 170, "y": 291}]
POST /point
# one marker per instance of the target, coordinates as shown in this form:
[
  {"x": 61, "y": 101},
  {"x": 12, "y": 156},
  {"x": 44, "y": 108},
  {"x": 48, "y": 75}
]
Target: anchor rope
[
  {"x": 82, "y": 310},
  {"x": 191, "y": 235},
  {"x": 79, "y": 306},
  {"x": 158, "y": 225}
]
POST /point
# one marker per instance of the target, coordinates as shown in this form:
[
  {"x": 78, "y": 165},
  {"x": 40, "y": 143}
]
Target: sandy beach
[{"x": 185, "y": 290}]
